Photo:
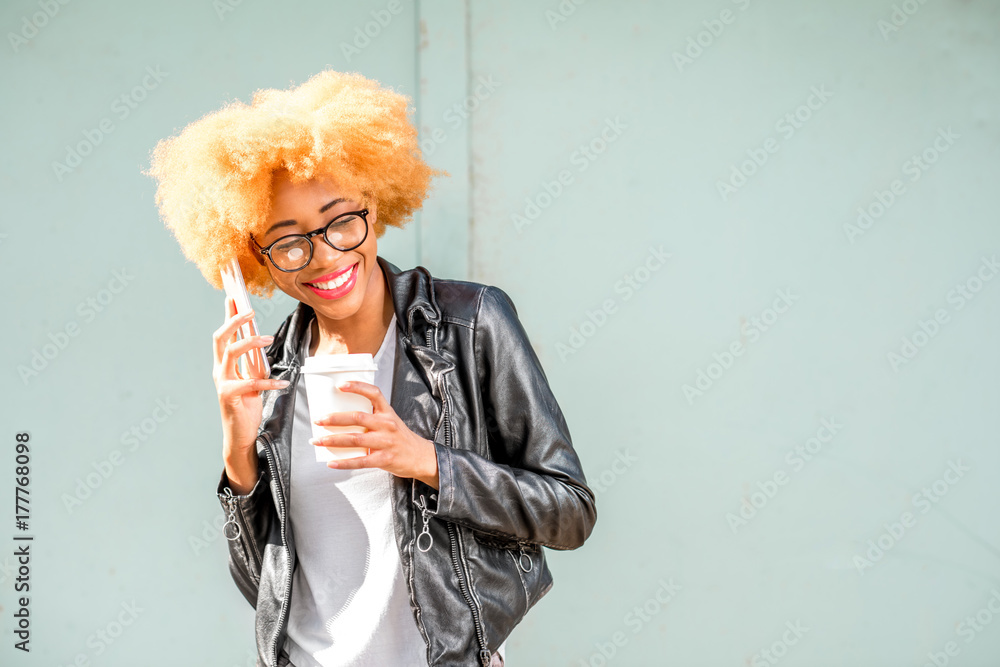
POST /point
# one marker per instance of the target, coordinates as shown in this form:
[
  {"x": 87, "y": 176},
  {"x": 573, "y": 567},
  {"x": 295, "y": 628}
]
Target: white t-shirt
[{"x": 349, "y": 604}]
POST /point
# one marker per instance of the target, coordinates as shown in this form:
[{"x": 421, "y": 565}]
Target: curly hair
[{"x": 215, "y": 177}]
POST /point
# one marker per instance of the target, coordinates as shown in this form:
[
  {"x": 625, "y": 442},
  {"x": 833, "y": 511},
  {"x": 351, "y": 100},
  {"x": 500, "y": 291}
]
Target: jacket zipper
[
  {"x": 447, "y": 440},
  {"x": 520, "y": 577},
  {"x": 236, "y": 518},
  {"x": 484, "y": 654},
  {"x": 485, "y": 657},
  {"x": 522, "y": 555},
  {"x": 413, "y": 597},
  {"x": 284, "y": 541}
]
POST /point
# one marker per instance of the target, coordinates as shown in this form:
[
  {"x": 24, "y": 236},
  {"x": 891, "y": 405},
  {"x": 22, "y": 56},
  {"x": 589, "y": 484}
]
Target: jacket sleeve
[
  {"x": 542, "y": 495},
  {"x": 253, "y": 513}
]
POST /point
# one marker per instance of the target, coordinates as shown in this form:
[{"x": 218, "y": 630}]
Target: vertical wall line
[
  {"x": 445, "y": 118},
  {"x": 470, "y": 177},
  {"x": 418, "y": 115}
]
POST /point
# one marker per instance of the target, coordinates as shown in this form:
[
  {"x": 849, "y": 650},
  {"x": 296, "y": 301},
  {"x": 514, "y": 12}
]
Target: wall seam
[
  {"x": 418, "y": 115},
  {"x": 470, "y": 170}
]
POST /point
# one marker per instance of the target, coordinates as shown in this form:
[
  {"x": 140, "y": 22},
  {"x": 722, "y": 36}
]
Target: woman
[{"x": 428, "y": 550}]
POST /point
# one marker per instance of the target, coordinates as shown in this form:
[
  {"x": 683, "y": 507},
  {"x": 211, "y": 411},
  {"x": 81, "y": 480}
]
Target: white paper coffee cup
[{"x": 322, "y": 374}]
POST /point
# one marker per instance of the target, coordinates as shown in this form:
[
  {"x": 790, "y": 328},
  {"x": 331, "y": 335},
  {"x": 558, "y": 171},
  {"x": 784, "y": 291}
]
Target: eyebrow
[{"x": 285, "y": 223}]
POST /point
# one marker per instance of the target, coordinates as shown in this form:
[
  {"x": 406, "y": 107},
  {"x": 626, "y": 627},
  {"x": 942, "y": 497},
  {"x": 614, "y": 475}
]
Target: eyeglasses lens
[{"x": 345, "y": 233}]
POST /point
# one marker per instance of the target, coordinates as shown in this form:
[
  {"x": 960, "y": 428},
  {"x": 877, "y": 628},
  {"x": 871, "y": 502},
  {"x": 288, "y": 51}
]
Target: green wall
[{"x": 764, "y": 384}]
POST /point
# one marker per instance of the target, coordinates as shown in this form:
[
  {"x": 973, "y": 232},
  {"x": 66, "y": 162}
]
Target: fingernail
[
  {"x": 282, "y": 383},
  {"x": 267, "y": 338}
]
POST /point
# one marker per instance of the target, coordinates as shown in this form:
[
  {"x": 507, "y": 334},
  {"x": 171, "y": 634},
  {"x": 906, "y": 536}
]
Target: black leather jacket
[{"x": 466, "y": 378}]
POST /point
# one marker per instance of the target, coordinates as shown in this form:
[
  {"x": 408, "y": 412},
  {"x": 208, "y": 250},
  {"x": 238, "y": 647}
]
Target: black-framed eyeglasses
[{"x": 294, "y": 252}]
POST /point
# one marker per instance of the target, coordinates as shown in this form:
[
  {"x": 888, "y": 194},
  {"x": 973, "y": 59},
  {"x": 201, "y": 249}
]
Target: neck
[{"x": 363, "y": 331}]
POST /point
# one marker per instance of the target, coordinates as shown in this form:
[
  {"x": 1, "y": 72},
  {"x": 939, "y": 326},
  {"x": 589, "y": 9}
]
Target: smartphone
[{"x": 254, "y": 359}]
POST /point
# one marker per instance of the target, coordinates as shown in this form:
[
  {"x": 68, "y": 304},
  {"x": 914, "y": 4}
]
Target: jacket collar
[{"x": 411, "y": 292}]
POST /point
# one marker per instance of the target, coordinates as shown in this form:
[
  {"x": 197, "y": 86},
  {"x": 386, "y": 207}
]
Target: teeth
[{"x": 334, "y": 284}]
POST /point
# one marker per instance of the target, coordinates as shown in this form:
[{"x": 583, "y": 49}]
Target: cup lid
[{"x": 326, "y": 363}]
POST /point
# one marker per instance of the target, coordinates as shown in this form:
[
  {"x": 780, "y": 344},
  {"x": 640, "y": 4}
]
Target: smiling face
[{"x": 334, "y": 283}]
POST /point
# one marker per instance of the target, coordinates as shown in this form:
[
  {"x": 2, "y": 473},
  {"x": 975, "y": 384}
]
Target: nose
[{"x": 323, "y": 252}]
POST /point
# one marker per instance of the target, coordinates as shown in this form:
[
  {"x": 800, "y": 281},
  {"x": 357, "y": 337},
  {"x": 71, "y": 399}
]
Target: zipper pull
[
  {"x": 520, "y": 560},
  {"x": 426, "y": 529},
  {"x": 485, "y": 657},
  {"x": 234, "y": 532}
]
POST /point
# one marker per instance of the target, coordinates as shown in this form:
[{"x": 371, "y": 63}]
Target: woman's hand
[
  {"x": 394, "y": 447},
  {"x": 239, "y": 398}
]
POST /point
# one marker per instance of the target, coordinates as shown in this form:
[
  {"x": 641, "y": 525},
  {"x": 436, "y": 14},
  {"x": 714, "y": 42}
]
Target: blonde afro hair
[{"x": 214, "y": 178}]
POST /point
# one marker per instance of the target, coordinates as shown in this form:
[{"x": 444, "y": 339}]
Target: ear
[{"x": 372, "y": 207}]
